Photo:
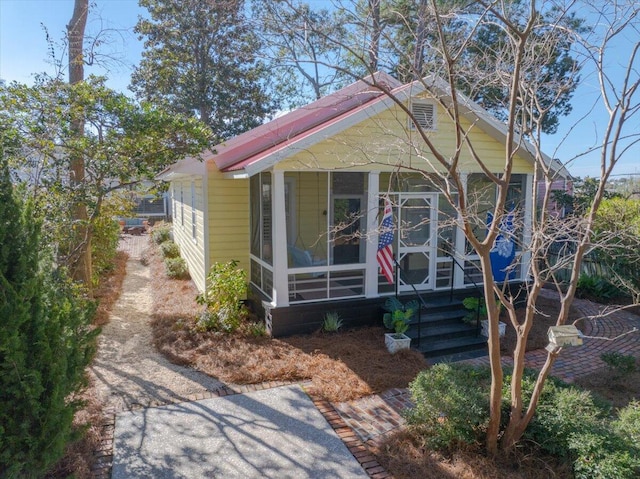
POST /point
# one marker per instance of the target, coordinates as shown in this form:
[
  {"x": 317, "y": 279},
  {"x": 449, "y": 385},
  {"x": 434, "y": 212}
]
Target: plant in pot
[
  {"x": 398, "y": 317},
  {"x": 477, "y": 309}
]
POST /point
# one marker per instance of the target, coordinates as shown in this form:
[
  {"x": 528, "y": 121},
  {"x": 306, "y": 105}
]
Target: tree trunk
[
  {"x": 81, "y": 267},
  {"x": 374, "y": 47},
  {"x": 495, "y": 360}
]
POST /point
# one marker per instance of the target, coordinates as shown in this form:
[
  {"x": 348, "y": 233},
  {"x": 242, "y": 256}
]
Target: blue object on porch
[
  {"x": 302, "y": 258},
  {"x": 504, "y": 249}
]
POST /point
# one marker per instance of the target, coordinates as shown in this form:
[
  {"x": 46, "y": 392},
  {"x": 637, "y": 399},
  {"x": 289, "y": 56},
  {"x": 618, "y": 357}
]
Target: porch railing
[
  {"x": 421, "y": 300},
  {"x": 478, "y": 290}
]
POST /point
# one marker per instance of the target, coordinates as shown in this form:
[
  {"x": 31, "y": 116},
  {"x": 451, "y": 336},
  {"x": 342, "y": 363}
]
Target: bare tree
[{"x": 528, "y": 36}]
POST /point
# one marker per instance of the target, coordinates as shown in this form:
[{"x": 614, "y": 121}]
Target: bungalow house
[{"x": 298, "y": 202}]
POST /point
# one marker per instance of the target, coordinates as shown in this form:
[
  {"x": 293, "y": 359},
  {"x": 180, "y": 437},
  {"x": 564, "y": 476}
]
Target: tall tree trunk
[
  {"x": 81, "y": 247},
  {"x": 376, "y": 31},
  {"x": 421, "y": 38}
]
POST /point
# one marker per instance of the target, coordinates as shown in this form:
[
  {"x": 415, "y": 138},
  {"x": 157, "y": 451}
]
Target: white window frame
[{"x": 194, "y": 217}]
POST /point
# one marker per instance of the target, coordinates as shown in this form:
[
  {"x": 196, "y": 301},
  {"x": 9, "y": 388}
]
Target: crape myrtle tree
[
  {"x": 199, "y": 59},
  {"x": 122, "y": 143},
  {"x": 503, "y": 54}
]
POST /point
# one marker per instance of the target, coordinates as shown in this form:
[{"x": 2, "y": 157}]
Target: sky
[{"x": 24, "y": 51}]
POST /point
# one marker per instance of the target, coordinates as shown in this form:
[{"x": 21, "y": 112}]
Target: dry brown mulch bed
[
  {"x": 404, "y": 454},
  {"x": 341, "y": 367}
]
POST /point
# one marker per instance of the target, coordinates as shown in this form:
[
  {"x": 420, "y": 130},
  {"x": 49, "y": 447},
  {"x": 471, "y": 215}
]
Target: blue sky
[{"x": 24, "y": 52}]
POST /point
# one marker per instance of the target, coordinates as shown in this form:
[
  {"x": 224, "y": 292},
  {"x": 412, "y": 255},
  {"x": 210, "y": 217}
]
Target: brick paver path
[{"x": 374, "y": 416}]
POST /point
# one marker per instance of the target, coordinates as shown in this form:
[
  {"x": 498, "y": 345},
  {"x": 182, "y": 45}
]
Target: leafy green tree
[
  {"x": 45, "y": 341},
  {"x": 299, "y": 42},
  {"x": 200, "y": 58},
  {"x": 123, "y": 143}
]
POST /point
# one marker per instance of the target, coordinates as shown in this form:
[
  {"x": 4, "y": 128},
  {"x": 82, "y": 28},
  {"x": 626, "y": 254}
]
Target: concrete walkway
[{"x": 274, "y": 433}]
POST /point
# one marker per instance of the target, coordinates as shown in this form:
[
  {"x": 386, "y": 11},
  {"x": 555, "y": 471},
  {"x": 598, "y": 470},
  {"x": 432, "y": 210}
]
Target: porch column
[
  {"x": 458, "y": 254},
  {"x": 280, "y": 292},
  {"x": 371, "y": 273},
  {"x": 528, "y": 219}
]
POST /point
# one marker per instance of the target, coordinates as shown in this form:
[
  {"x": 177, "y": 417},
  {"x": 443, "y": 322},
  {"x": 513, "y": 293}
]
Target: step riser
[{"x": 442, "y": 336}]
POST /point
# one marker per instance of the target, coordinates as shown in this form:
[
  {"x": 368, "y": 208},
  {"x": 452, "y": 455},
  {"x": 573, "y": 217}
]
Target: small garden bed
[{"x": 341, "y": 366}]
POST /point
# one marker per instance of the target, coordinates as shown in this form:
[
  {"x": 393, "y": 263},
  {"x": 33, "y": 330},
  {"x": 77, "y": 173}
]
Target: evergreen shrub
[{"x": 45, "y": 344}]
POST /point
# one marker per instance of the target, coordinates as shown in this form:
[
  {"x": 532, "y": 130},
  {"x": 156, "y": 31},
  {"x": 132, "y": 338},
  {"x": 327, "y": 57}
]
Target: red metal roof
[{"x": 254, "y": 144}]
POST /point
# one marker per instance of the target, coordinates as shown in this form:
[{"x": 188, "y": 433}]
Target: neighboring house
[
  {"x": 297, "y": 201},
  {"x": 562, "y": 184}
]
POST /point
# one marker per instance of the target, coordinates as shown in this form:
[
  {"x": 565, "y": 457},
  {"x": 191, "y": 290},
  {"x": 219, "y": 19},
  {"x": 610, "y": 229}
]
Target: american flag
[{"x": 385, "y": 249}]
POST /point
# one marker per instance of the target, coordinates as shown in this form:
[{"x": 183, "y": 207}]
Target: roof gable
[{"x": 290, "y": 125}]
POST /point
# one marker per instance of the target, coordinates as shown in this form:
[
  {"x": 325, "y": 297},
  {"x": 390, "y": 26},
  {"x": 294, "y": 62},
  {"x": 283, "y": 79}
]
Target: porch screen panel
[
  {"x": 481, "y": 198},
  {"x": 254, "y": 188},
  {"x": 306, "y": 210},
  {"x": 348, "y": 208},
  {"x": 267, "y": 219}
]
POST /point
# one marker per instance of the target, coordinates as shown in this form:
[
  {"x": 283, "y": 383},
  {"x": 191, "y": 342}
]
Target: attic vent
[{"x": 424, "y": 114}]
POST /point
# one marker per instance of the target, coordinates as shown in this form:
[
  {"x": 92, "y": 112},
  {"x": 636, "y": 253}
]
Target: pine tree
[{"x": 200, "y": 58}]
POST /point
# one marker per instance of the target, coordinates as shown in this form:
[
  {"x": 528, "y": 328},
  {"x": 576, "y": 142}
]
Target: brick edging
[{"x": 353, "y": 443}]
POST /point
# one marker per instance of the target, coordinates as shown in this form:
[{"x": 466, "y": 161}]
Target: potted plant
[
  {"x": 398, "y": 317},
  {"x": 477, "y": 309}
]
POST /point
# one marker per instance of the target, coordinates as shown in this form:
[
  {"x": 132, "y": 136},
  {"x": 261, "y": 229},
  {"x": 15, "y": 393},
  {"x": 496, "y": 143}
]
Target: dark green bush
[
  {"x": 596, "y": 288},
  {"x": 45, "y": 345},
  {"x": 452, "y": 404},
  {"x": 570, "y": 423},
  {"x": 176, "y": 268},
  {"x": 169, "y": 249},
  {"x": 620, "y": 364}
]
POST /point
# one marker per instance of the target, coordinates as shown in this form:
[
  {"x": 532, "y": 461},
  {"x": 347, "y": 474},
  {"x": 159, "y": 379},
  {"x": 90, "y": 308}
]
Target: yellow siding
[
  {"x": 385, "y": 140},
  {"x": 228, "y": 219},
  {"x": 191, "y": 249}
]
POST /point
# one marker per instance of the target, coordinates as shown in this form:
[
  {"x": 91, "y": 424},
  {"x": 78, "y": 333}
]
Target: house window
[
  {"x": 181, "y": 204},
  {"x": 424, "y": 113},
  {"x": 193, "y": 211}
]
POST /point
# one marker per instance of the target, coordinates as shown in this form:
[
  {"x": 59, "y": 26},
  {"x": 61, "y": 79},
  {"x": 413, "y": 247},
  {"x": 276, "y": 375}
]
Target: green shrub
[
  {"x": 169, "y": 249},
  {"x": 332, "y": 322},
  {"x": 176, "y": 268},
  {"x": 570, "y": 423},
  {"x": 161, "y": 233},
  {"x": 452, "y": 404},
  {"x": 45, "y": 345},
  {"x": 105, "y": 235},
  {"x": 628, "y": 422},
  {"x": 596, "y": 288},
  {"x": 620, "y": 364},
  {"x": 223, "y": 296}
]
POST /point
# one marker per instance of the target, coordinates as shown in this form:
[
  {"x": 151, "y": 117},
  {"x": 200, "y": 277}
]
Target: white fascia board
[
  {"x": 184, "y": 168},
  {"x": 296, "y": 146}
]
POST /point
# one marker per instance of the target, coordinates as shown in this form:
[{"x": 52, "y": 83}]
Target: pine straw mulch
[
  {"x": 341, "y": 366},
  {"x": 80, "y": 455},
  {"x": 404, "y": 455}
]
